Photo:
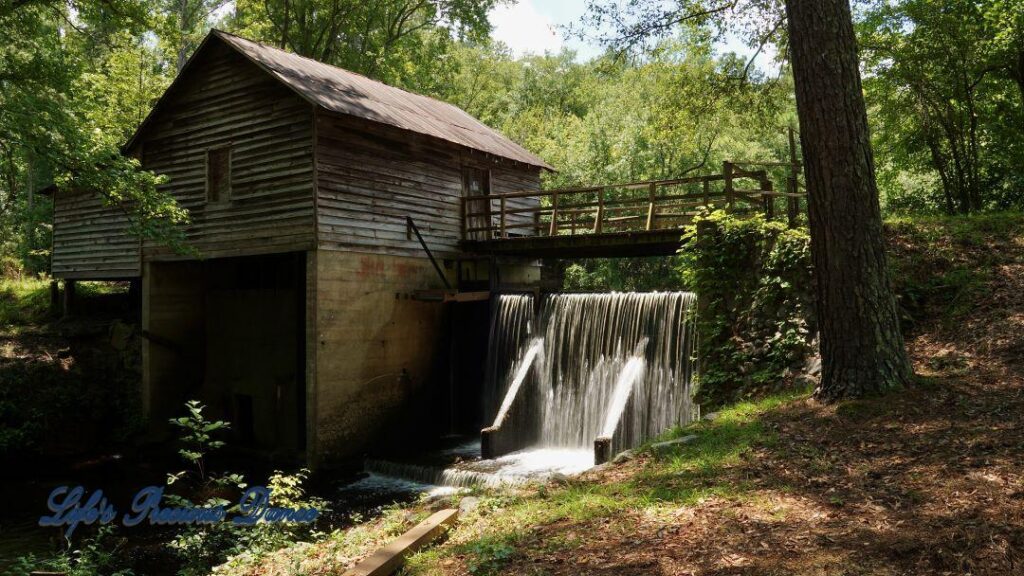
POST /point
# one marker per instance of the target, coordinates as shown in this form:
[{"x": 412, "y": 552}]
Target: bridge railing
[{"x": 634, "y": 207}]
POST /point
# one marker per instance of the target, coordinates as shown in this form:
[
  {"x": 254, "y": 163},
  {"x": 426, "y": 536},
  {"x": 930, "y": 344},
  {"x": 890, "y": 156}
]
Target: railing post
[
  {"x": 650, "y": 206},
  {"x": 767, "y": 200},
  {"x": 600, "y": 211},
  {"x": 792, "y": 187},
  {"x": 504, "y": 234},
  {"x": 707, "y": 193},
  {"x": 553, "y": 228},
  {"x": 727, "y": 173},
  {"x": 792, "y": 202}
]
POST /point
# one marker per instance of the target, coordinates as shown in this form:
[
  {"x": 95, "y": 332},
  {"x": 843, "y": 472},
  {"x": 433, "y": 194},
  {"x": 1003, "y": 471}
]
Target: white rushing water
[
  {"x": 623, "y": 390},
  {"x": 589, "y": 365},
  {"x": 522, "y": 369},
  {"x": 616, "y": 364},
  {"x": 511, "y": 469}
]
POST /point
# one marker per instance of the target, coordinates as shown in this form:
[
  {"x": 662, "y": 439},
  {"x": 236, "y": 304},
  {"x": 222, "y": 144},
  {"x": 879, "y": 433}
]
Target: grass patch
[
  {"x": 330, "y": 553},
  {"x": 26, "y": 301},
  {"x": 946, "y": 233},
  {"x": 23, "y": 302},
  {"x": 488, "y": 538},
  {"x": 942, "y": 267}
]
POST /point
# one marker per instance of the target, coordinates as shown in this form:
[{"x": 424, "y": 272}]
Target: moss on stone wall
[{"x": 755, "y": 323}]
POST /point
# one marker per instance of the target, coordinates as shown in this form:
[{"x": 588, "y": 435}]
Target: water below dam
[{"x": 561, "y": 373}]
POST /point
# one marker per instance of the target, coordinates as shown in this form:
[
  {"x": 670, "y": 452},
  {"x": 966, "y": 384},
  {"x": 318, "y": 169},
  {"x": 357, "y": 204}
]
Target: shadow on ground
[{"x": 926, "y": 481}]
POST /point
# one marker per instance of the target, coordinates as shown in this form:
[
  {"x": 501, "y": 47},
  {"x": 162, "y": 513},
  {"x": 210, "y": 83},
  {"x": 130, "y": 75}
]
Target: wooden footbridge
[{"x": 635, "y": 219}]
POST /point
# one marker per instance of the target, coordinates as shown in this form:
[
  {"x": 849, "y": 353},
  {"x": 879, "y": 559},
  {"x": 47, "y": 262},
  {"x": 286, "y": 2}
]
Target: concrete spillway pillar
[{"x": 602, "y": 450}]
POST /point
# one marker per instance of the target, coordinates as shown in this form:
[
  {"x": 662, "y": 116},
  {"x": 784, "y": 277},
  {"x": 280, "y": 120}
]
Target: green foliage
[
  {"x": 70, "y": 95},
  {"x": 943, "y": 267},
  {"x": 401, "y": 42},
  {"x": 97, "y": 555},
  {"x": 201, "y": 547},
  {"x": 946, "y": 95},
  {"x": 488, "y": 556},
  {"x": 23, "y": 302},
  {"x": 755, "y": 314},
  {"x": 680, "y": 111},
  {"x": 196, "y": 438},
  {"x": 632, "y": 274}
]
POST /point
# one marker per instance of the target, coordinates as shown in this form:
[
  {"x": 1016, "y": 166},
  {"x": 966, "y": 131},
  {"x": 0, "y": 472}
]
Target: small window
[{"x": 218, "y": 175}]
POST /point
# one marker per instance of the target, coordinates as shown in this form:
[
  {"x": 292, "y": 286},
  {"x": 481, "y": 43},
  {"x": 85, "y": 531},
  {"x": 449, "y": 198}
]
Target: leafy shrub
[
  {"x": 488, "y": 556},
  {"x": 201, "y": 547},
  {"x": 65, "y": 403},
  {"x": 97, "y": 555},
  {"x": 623, "y": 274},
  {"x": 755, "y": 319},
  {"x": 11, "y": 268}
]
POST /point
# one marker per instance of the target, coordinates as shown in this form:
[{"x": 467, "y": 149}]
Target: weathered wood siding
[
  {"x": 370, "y": 177},
  {"x": 89, "y": 239},
  {"x": 226, "y": 100}
]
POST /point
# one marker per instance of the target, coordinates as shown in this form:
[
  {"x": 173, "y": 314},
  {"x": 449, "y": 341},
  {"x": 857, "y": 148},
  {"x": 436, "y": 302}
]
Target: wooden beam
[
  {"x": 69, "y": 297},
  {"x": 390, "y": 558},
  {"x": 602, "y": 449},
  {"x": 650, "y": 206},
  {"x": 767, "y": 199},
  {"x": 792, "y": 202},
  {"x": 554, "y": 215},
  {"x": 504, "y": 233},
  {"x": 727, "y": 172},
  {"x": 450, "y": 296}
]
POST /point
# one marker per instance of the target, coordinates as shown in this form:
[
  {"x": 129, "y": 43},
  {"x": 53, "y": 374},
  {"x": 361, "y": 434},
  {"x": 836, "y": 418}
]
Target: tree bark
[
  {"x": 1018, "y": 74},
  {"x": 862, "y": 349}
]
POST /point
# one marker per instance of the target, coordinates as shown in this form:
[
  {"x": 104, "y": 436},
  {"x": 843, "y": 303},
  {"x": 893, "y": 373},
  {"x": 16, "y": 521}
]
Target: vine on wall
[{"x": 755, "y": 320}]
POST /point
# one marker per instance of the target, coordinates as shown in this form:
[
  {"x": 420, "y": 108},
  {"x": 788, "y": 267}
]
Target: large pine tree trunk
[{"x": 862, "y": 348}]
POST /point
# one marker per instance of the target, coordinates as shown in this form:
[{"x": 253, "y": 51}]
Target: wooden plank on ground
[{"x": 389, "y": 558}]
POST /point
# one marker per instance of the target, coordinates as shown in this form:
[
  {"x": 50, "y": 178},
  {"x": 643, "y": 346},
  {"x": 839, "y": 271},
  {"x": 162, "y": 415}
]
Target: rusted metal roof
[{"x": 345, "y": 92}]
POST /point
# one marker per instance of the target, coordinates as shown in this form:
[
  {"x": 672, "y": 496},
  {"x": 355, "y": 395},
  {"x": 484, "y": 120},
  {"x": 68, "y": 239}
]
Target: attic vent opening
[{"x": 218, "y": 175}]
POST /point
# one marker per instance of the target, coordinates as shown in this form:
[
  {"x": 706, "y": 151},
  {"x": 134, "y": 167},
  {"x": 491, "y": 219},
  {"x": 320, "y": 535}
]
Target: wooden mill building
[{"x": 303, "y": 318}]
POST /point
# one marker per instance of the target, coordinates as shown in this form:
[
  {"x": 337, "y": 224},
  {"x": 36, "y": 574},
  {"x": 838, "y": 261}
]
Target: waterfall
[
  {"x": 561, "y": 373},
  {"x": 591, "y": 365},
  {"x": 623, "y": 390},
  {"x": 511, "y": 324},
  {"x": 521, "y": 371}
]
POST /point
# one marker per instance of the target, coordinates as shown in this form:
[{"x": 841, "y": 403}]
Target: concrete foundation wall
[
  {"x": 173, "y": 338},
  {"x": 381, "y": 367},
  {"x": 376, "y": 349}
]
